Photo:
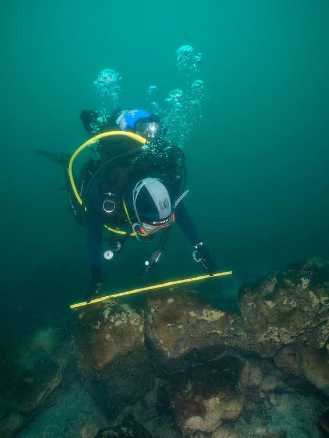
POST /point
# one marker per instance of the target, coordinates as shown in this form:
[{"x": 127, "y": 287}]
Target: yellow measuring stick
[{"x": 154, "y": 287}]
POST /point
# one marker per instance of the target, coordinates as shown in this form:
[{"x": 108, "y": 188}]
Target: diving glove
[{"x": 202, "y": 255}]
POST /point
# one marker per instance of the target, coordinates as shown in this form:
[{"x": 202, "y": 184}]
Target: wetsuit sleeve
[
  {"x": 186, "y": 224},
  {"x": 95, "y": 226}
]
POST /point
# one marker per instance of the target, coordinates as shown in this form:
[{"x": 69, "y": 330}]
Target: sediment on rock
[{"x": 111, "y": 349}]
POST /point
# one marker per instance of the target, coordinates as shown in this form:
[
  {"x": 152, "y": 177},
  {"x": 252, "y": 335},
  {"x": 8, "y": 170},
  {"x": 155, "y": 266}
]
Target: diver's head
[
  {"x": 153, "y": 206},
  {"x": 141, "y": 122}
]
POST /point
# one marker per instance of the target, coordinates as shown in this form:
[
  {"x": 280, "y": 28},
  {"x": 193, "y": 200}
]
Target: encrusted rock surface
[
  {"x": 290, "y": 307},
  {"x": 202, "y": 398},
  {"x": 308, "y": 362},
  {"x": 282, "y": 331},
  {"x": 111, "y": 347},
  {"x": 182, "y": 328}
]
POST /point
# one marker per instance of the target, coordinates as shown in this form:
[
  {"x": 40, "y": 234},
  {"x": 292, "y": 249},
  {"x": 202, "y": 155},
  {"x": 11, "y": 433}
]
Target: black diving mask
[
  {"x": 146, "y": 228},
  {"x": 149, "y": 129}
]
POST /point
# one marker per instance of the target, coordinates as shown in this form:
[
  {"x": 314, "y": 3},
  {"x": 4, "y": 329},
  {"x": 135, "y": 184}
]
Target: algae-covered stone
[
  {"x": 288, "y": 307},
  {"x": 315, "y": 365},
  {"x": 110, "y": 340},
  {"x": 251, "y": 377},
  {"x": 202, "y": 398},
  {"x": 288, "y": 359},
  {"x": 182, "y": 327},
  {"x": 307, "y": 362}
]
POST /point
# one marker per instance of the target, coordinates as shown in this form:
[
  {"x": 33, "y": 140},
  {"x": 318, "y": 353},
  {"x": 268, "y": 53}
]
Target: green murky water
[{"x": 257, "y": 160}]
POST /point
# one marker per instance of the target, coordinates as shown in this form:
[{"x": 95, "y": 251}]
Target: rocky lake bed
[{"x": 172, "y": 364}]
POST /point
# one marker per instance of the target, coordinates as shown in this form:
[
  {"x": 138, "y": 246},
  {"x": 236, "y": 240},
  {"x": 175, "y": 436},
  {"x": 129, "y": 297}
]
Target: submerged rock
[
  {"x": 182, "y": 328},
  {"x": 251, "y": 377},
  {"x": 72, "y": 414},
  {"x": 287, "y": 308},
  {"x": 201, "y": 398},
  {"x": 216, "y": 373},
  {"x": 307, "y": 362},
  {"x": 128, "y": 428},
  {"x": 36, "y": 372},
  {"x": 111, "y": 348}
]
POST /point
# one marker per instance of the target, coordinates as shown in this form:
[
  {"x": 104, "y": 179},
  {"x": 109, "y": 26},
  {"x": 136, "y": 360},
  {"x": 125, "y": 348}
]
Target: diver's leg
[
  {"x": 63, "y": 159},
  {"x": 75, "y": 205},
  {"x": 83, "y": 181}
]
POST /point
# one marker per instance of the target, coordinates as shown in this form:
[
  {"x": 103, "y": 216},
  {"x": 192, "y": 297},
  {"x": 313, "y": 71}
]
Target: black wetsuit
[
  {"x": 96, "y": 219},
  {"x": 116, "y": 182}
]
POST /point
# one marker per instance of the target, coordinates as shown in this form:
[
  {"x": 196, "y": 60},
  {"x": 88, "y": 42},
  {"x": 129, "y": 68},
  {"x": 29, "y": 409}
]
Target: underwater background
[
  {"x": 257, "y": 159},
  {"x": 257, "y": 156}
]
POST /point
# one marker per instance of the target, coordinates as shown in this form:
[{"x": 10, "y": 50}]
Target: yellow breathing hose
[
  {"x": 136, "y": 137},
  {"x": 131, "y": 135},
  {"x": 154, "y": 287}
]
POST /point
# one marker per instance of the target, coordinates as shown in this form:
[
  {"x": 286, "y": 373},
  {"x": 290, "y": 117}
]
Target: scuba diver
[{"x": 133, "y": 191}]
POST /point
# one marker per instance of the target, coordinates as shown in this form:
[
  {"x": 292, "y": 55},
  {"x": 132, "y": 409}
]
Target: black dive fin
[{"x": 59, "y": 158}]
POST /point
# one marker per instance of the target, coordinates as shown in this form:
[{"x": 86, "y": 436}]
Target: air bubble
[
  {"x": 108, "y": 90},
  {"x": 186, "y": 60}
]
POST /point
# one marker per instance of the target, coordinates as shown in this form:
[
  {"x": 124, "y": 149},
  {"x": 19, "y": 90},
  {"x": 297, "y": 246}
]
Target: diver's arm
[
  {"x": 201, "y": 253},
  {"x": 186, "y": 224}
]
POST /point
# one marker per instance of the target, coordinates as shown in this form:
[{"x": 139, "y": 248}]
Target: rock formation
[{"x": 185, "y": 368}]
